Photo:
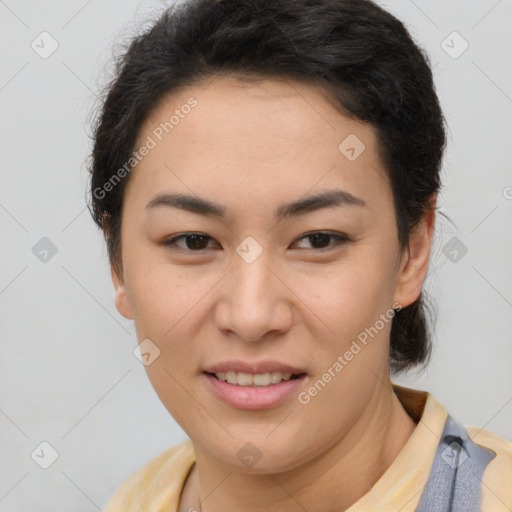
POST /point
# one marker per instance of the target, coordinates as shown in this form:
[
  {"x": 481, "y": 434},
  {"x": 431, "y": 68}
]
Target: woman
[{"x": 265, "y": 173}]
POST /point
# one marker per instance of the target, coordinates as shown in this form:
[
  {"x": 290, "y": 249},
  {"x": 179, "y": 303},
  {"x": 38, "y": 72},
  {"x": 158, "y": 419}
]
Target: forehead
[
  {"x": 254, "y": 107},
  {"x": 267, "y": 136}
]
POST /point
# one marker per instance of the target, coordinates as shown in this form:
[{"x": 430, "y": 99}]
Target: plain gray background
[{"x": 68, "y": 375}]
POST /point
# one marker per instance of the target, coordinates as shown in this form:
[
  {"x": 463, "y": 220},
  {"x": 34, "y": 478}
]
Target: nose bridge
[
  {"x": 252, "y": 303},
  {"x": 251, "y": 275}
]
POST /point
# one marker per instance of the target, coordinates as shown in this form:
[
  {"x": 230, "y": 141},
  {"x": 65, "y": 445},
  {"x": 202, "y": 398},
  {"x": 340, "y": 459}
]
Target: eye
[
  {"x": 320, "y": 240},
  {"x": 193, "y": 242},
  {"x": 198, "y": 242}
]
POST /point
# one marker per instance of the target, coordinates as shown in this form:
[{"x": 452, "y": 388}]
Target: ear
[
  {"x": 415, "y": 259},
  {"x": 121, "y": 298}
]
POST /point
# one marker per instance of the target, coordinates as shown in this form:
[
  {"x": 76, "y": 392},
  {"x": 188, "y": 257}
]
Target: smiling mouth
[{"x": 255, "y": 380}]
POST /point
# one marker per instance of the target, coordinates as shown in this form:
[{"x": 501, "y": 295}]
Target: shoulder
[
  {"x": 156, "y": 485},
  {"x": 497, "y": 477}
]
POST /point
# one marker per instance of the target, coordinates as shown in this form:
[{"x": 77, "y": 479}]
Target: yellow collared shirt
[{"x": 157, "y": 485}]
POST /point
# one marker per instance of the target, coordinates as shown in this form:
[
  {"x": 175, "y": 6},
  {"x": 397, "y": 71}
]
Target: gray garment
[{"x": 455, "y": 480}]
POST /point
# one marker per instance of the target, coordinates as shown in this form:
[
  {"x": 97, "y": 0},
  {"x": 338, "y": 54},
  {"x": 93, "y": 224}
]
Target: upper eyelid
[{"x": 309, "y": 233}]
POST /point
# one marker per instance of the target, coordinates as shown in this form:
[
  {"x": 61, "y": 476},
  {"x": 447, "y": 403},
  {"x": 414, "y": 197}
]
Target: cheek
[
  {"x": 158, "y": 294},
  {"x": 350, "y": 296},
  {"x": 166, "y": 311},
  {"x": 171, "y": 307}
]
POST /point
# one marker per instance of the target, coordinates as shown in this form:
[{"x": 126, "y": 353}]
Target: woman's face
[{"x": 251, "y": 292}]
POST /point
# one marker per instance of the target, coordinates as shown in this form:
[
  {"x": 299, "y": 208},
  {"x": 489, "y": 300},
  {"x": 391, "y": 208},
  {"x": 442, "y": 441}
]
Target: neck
[{"x": 334, "y": 480}]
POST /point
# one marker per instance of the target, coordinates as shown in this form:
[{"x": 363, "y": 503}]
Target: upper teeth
[{"x": 249, "y": 379}]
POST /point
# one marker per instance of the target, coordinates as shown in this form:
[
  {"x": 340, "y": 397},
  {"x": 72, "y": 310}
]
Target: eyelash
[{"x": 339, "y": 238}]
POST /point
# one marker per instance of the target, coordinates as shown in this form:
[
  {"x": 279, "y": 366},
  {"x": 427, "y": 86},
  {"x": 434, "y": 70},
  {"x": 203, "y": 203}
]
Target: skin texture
[{"x": 252, "y": 147}]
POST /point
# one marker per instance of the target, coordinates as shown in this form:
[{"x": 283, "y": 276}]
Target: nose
[{"x": 255, "y": 302}]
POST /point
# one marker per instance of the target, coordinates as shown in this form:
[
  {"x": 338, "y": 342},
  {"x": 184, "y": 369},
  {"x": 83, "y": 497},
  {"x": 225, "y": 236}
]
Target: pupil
[
  {"x": 322, "y": 237},
  {"x": 196, "y": 241}
]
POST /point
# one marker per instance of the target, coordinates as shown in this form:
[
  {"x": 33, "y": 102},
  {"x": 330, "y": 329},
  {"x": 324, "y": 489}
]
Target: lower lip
[{"x": 253, "y": 398}]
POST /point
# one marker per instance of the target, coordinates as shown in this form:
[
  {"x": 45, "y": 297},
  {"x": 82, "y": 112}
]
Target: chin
[{"x": 258, "y": 454}]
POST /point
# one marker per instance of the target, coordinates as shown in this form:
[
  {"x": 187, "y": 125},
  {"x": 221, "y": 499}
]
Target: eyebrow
[{"x": 195, "y": 204}]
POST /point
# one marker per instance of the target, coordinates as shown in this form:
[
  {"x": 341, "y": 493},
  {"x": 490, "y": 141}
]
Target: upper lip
[{"x": 253, "y": 367}]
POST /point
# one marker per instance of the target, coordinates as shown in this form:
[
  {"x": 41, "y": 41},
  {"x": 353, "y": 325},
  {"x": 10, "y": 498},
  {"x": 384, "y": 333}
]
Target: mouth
[
  {"x": 244, "y": 379},
  {"x": 255, "y": 389}
]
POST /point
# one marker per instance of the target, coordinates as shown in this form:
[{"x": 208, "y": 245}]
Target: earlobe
[
  {"x": 121, "y": 298},
  {"x": 415, "y": 260}
]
